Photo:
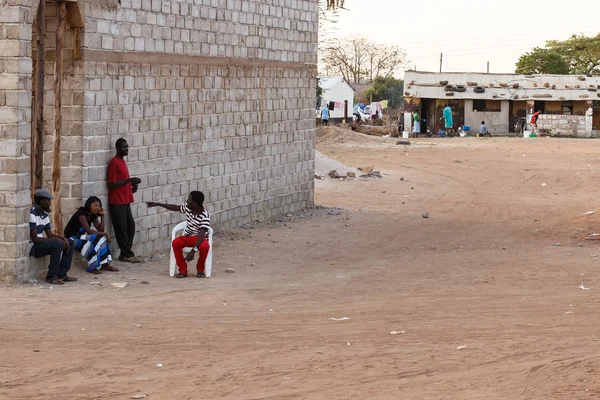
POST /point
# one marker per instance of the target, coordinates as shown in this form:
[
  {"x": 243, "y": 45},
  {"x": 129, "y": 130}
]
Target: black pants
[
  {"x": 124, "y": 225},
  {"x": 60, "y": 261}
]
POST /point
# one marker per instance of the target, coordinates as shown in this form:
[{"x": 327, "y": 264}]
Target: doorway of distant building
[
  {"x": 539, "y": 106},
  {"x": 427, "y": 114}
]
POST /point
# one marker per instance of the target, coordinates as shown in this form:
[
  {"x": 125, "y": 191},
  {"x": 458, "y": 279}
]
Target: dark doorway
[
  {"x": 539, "y": 106},
  {"x": 427, "y": 114}
]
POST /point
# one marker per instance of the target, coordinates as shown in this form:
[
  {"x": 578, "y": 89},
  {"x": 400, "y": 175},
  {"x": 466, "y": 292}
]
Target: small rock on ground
[{"x": 230, "y": 270}]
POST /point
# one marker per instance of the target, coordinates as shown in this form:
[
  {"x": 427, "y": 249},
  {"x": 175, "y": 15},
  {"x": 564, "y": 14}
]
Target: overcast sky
[{"x": 468, "y": 32}]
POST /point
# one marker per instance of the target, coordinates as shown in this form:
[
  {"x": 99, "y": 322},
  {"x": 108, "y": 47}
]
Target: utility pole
[{"x": 441, "y": 59}]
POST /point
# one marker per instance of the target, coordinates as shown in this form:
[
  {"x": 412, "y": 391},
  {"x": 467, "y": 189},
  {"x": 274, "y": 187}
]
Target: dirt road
[{"x": 484, "y": 270}]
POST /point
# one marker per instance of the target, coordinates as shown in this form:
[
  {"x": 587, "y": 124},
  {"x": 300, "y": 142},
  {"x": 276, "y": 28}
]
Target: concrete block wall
[
  {"x": 15, "y": 131},
  {"x": 212, "y": 95},
  {"x": 276, "y": 30},
  {"x": 242, "y": 135},
  {"x": 564, "y": 125}
]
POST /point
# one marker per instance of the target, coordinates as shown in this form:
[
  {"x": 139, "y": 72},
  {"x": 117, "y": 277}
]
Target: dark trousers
[
  {"x": 124, "y": 226},
  {"x": 60, "y": 260}
]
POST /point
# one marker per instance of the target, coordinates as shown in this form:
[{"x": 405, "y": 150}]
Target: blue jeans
[{"x": 60, "y": 261}]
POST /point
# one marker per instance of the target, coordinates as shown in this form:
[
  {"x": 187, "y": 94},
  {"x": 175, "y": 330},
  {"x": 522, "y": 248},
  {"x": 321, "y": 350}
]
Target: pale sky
[{"x": 468, "y": 32}]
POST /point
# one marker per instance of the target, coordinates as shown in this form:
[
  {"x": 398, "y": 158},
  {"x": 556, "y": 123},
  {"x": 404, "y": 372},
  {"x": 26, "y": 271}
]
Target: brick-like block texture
[
  {"x": 213, "y": 95},
  {"x": 281, "y": 30},
  {"x": 243, "y": 135}
]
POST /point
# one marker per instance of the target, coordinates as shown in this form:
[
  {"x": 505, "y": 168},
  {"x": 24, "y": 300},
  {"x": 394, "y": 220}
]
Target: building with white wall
[
  {"x": 569, "y": 104},
  {"x": 338, "y": 91}
]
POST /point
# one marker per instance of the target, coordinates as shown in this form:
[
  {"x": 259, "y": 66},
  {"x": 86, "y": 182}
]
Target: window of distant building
[{"x": 487, "y": 106}]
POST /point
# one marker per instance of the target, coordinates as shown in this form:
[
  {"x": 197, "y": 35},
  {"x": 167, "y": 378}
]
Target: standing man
[
  {"x": 447, "y": 116},
  {"x": 325, "y": 116},
  {"x": 59, "y": 249},
  {"x": 120, "y": 196},
  {"x": 197, "y": 224}
]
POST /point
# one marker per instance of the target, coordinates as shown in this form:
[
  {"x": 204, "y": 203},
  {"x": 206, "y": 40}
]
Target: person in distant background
[
  {"x": 534, "y": 117},
  {"x": 483, "y": 131},
  {"x": 325, "y": 115},
  {"x": 416, "y": 125},
  {"x": 447, "y": 116}
]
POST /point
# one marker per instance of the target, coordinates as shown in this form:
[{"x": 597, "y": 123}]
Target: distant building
[
  {"x": 569, "y": 104},
  {"x": 336, "y": 91}
]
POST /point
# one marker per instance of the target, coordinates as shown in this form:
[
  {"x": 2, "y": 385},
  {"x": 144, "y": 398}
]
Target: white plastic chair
[{"x": 207, "y": 265}]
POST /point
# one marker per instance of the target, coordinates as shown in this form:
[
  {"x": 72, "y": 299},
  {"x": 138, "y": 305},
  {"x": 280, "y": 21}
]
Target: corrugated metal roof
[{"x": 328, "y": 82}]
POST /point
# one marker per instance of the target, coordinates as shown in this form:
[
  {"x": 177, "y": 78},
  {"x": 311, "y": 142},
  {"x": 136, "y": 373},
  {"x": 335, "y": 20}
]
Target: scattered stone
[
  {"x": 138, "y": 396},
  {"x": 580, "y": 245},
  {"x": 335, "y": 211},
  {"x": 557, "y": 244},
  {"x": 290, "y": 215},
  {"x": 365, "y": 170},
  {"x": 402, "y": 179},
  {"x": 397, "y": 333},
  {"x": 426, "y": 215},
  {"x": 36, "y": 351},
  {"x": 351, "y": 174},
  {"x": 144, "y": 283},
  {"x": 32, "y": 281},
  {"x": 464, "y": 346},
  {"x": 373, "y": 174},
  {"x": 119, "y": 285},
  {"x": 403, "y": 142},
  {"x": 336, "y": 175},
  {"x": 319, "y": 177},
  {"x": 157, "y": 257},
  {"x": 230, "y": 270}
]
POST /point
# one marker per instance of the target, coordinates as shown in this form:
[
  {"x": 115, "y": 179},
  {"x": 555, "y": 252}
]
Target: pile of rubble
[{"x": 327, "y": 167}]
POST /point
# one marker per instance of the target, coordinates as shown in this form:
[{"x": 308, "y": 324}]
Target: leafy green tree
[
  {"x": 542, "y": 61},
  {"x": 387, "y": 88},
  {"x": 577, "y": 55},
  {"x": 581, "y": 53}
]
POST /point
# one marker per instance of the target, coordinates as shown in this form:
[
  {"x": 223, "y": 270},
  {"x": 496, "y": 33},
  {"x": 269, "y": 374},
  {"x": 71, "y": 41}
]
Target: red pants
[{"x": 189, "y": 241}]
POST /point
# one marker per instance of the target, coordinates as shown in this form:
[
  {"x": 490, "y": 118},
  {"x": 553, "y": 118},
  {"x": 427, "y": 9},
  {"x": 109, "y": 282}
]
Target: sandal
[
  {"x": 109, "y": 268},
  {"x": 96, "y": 272},
  {"x": 69, "y": 279},
  {"x": 180, "y": 275},
  {"x": 201, "y": 275},
  {"x": 55, "y": 281}
]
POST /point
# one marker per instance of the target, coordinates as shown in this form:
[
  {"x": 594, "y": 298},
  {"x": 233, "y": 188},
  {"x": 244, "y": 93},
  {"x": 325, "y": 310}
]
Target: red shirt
[{"x": 118, "y": 171}]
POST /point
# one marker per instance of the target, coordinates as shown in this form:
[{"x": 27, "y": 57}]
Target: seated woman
[{"x": 93, "y": 244}]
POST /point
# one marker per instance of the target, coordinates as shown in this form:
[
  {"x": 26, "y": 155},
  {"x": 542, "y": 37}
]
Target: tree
[
  {"x": 387, "y": 88},
  {"x": 542, "y": 61},
  {"x": 358, "y": 59},
  {"x": 581, "y": 53},
  {"x": 576, "y": 55}
]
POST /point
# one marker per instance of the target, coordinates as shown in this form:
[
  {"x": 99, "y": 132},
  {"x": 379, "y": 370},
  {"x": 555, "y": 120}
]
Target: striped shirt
[
  {"x": 194, "y": 222},
  {"x": 39, "y": 220}
]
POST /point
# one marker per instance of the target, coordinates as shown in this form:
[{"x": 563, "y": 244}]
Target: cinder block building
[
  {"x": 212, "y": 95},
  {"x": 569, "y": 104}
]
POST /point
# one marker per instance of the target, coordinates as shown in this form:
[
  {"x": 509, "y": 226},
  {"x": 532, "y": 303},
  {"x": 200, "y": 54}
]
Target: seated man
[
  {"x": 59, "y": 249},
  {"x": 198, "y": 222}
]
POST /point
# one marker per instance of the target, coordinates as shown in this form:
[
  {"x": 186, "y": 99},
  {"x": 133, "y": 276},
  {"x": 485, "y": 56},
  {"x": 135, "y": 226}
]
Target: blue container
[{"x": 466, "y": 128}]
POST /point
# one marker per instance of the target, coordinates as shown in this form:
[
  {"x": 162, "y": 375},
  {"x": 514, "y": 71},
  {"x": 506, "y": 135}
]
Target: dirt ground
[{"x": 496, "y": 268}]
